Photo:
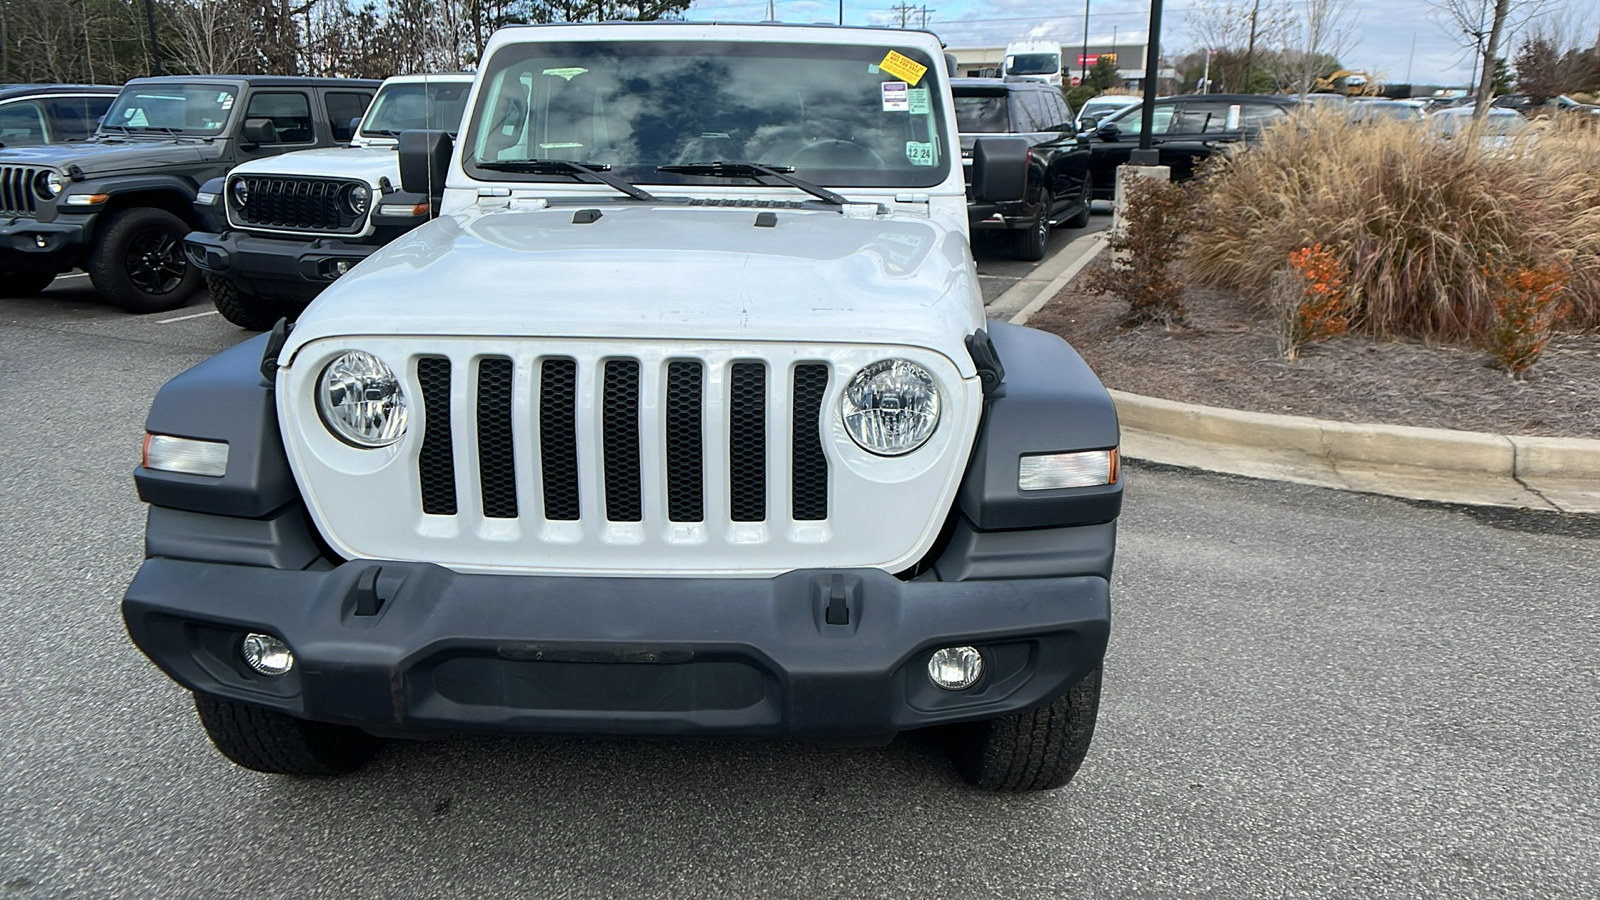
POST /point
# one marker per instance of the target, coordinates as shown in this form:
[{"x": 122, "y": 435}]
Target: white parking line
[
  {"x": 210, "y": 312},
  {"x": 73, "y": 275}
]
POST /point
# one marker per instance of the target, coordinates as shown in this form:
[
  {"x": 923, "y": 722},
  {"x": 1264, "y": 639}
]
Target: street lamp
[
  {"x": 1147, "y": 155},
  {"x": 1083, "y": 58}
]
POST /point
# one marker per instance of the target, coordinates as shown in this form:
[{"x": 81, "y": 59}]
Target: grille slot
[
  {"x": 558, "y": 438},
  {"x": 747, "y": 442},
  {"x": 436, "y": 464},
  {"x": 16, "y": 191},
  {"x": 619, "y": 424},
  {"x": 497, "y": 458},
  {"x": 685, "y": 437},
  {"x": 809, "y": 482},
  {"x": 309, "y": 204}
]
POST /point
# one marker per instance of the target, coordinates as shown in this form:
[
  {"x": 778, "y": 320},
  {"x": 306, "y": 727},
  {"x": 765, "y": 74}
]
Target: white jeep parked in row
[
  {"x": 682, "y": 419},
  {"x": 282, "y": 228}
]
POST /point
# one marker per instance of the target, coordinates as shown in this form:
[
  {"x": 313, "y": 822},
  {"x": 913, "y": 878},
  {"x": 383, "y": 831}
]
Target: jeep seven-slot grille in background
[
  {"x": 301, "y": 204},
  {"x": 16, "y": 191},
  {"x": 670, "y": 438}
]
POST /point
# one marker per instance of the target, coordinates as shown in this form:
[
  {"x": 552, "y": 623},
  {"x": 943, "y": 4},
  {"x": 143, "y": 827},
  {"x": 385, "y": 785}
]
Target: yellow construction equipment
[{"x": 1348, "y": 83}]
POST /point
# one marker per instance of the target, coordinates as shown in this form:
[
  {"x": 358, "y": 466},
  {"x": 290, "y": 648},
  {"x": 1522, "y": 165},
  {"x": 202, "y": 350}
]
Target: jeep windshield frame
[
  {"x": 634, "y": 106},
  {"x": 169, "y": 109}
]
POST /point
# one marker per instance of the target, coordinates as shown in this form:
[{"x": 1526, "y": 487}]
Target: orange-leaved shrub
[
  {"x": 1156, "y": 218},
  {"x": 1413, "y": 218},
  {"x": 1528, "y": 302},
  {"x": 1312, "y": 299}
]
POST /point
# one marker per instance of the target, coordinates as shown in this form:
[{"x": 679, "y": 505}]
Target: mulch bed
[{"x": 1228, "y": 356}]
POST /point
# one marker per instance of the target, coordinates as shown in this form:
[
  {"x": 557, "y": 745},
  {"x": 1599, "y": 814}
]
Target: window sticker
[
  {"x": 895, "y": 96},
  {"x": 919, "y": 153},
  {"x": 872, "y": 69},
  {"x": 903, "y": 67},
  {"x": 918, "y": 100},
  {"x": 227, "y": 102},
  {"x": 223, "y": 96}
]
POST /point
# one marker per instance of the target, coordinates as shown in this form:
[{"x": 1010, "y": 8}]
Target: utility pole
[
  {"x": 925, "y": 12},
  {"x": 904, "y": 9},
  {"x": 155, "y": 46},
  {"x": 1250, "y": 54}
]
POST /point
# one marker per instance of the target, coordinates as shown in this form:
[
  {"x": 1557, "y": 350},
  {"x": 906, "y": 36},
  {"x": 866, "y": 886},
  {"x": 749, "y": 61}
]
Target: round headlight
[
  {"x": 357, "y": 199},
  {"x": 891, "y": 407},
  {"x": 241, "y": 191},
  {"x": 53, "y": 183},
  {"x": 360, "y": 401}
]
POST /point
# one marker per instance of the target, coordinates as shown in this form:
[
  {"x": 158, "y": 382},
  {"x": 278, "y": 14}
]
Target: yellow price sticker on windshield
[{"x": 902, "y": 67}]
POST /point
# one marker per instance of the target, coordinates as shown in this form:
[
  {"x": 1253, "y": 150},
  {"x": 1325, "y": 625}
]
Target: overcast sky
[{"x": 1383, "y": 32}]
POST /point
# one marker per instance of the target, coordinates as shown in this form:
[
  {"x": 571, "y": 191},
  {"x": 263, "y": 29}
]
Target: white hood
[
  {"x": 663, "y": 272},
  {"x": 364, "y": 163}
]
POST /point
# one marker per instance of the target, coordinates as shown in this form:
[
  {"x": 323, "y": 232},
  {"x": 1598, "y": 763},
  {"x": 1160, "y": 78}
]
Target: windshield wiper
[
  {"x": 597, "y": 171},
  {"x": 756, "y": 171}
]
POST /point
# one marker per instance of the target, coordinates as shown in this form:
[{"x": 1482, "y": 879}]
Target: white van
[{"x": 1034, "y": 60}]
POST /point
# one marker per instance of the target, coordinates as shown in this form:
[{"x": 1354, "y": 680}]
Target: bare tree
[
  {"x": 1234, "y": 28},
  {"x": 1477, "y": 25},
  {"x": 1316, "y": 39}
]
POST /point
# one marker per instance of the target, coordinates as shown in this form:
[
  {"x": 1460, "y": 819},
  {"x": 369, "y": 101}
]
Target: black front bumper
[
  {"x": 34, "y": 246},
  {"x": 272, "y": 266},
  {"x": 658, "y": 656}
]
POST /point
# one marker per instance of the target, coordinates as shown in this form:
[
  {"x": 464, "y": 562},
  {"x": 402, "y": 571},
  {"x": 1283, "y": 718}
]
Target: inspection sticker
[
  {"x": 903, "y": 67},
  {"x": 919, "y": 153},
  {"x": 894, "y": 97},
  {"x": 918, "y": 98}
]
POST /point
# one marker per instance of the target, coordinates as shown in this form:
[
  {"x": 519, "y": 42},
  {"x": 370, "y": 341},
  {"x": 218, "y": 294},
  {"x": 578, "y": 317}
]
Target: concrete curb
[{"x": 1436, "y": 464}]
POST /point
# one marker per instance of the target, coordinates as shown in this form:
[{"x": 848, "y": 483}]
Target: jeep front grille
[
  {"x": 291, "y": 203},
  {"x": 633, "y": 434},
  {"x": 16, "y": 191}
]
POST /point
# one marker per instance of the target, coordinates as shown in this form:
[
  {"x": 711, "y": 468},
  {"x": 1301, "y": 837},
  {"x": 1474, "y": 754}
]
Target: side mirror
[
  {"x": 424, "y": 161},
  {"x": 1087, "y": 125},
  {"x": 1110, "y": 131},
  {"x": 258, "y": 131},
  {"x": 999, "y": 169}
]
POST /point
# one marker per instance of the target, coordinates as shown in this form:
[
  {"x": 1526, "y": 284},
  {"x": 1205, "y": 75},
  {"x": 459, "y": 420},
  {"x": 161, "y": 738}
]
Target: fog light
[
  {"x": 955, "y": 668},
  {"x": 41, "y": 241},
  {"x": 340, "y": 266},
  {"x": 266, "y": 654}
]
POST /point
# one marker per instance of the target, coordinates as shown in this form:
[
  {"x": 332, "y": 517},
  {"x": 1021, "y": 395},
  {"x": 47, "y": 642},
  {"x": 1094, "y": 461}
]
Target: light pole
[
  {"x": 1083, "y": 58},
  {"x": 1147, "y": 155}
]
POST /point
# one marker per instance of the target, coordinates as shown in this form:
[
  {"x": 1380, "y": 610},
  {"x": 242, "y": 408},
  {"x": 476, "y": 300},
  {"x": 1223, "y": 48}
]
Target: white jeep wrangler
[
  {"x": 280, "y": 229},
  {"x": 683, "y": 419}
]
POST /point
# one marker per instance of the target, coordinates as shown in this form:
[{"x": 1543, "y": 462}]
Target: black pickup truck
[{"x": 119, "y": 204}]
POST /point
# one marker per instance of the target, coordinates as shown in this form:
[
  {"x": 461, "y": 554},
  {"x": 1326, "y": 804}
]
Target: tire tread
[
  {"x": 1030, "y": 751},
  {"x": 269, "y": 741}
]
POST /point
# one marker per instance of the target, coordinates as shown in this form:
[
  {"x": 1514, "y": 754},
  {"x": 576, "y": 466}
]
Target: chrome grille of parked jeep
[
  {"x": 296, "y": 204},
  {"x": 16, "y": 191},
  {"x": 635, "y": 432}
]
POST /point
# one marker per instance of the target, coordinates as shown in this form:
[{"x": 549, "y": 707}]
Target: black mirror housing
[
  {"x": 258, "y": 131},
  {"x": 999, "y": 169},
  {"x": 1108, "y": 132},
  {"x": 424, "y": 161}
]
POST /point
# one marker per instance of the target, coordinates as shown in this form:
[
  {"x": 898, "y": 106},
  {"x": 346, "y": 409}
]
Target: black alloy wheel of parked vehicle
[
  {"x": 1032, "y": 241},
  {"x": 138, "y": 263}
]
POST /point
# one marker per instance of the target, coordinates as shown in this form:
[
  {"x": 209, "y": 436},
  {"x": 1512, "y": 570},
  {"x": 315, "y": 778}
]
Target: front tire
[
  {"x": 1032, "y": 241},
  {"x": 272, "y": 742},
  {"x": 15, "y": 285},
  {"x": 248, "y": 310},
  {"x": 1031, "y": 751},
  {"x": 138, "y": 264}
]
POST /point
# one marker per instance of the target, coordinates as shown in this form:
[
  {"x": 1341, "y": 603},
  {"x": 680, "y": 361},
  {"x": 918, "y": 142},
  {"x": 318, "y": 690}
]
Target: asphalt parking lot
[{"x": 1308, "y": 694}]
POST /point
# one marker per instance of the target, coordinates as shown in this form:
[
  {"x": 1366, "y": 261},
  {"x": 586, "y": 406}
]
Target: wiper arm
[
  {"x": 756, "y": 171},
  {"x": 598, "y": 171}
]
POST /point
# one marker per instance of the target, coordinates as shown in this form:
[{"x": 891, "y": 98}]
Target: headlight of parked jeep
[
  {"x": 241, "y": 192},
  {"x": 891, "y": 407},
  {"x": 356, "y": 198},
  {"x": 51, "y": 184},
  {"x": 360, "y": 401}
]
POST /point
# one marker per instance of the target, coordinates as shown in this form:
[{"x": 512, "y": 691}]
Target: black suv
[
  {"x": 32, "y": 114},
  {"x": 1186, "y": 130},
  {"x": 1059, "y": 183},
  {"x": 120, "y": 204}
]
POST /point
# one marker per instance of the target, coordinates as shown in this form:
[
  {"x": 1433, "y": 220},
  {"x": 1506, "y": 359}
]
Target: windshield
[
  {"x": 982, "y": 114},
  {"x": 184, "y": 108},
  {"x": 404, "y": 107},
  {"x": 1035, "y": 64},
  {"x": 1496, "y": 124},
  {"x": 830, "y": 111}
]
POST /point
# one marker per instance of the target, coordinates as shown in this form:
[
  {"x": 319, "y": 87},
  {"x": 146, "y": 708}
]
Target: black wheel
[
  {"x": 1031, "y": 751},
  {"x": 268, "y": 741},
  {"x": 1032, "y": 240},
  {"x": 138, "y": 264},
  {"x": 248, "y": 310},
  {"x": 1080, "y": 219},
  {"x": 23, "y": 284}
]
